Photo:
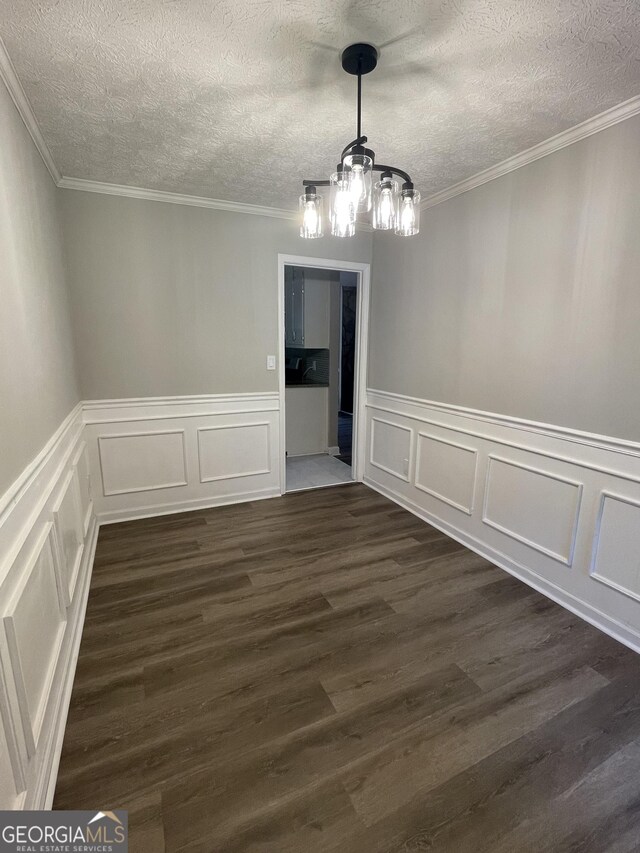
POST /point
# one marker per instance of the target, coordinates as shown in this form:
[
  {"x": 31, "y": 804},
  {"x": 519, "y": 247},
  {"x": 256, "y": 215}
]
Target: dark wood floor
[{"x": 325, "y": 672}]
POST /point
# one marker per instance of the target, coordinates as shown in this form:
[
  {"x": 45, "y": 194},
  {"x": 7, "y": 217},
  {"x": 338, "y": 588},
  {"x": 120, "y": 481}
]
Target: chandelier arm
[
  {"x": 316, "y": 183},
  {"x": 401, "y": 174}
]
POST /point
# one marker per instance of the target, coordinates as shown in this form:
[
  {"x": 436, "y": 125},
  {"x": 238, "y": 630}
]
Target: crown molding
[
  {"x": 14, "y": 87},
  {"x": 8, "y": 74},
  {"x": 173, "y": 198},
  {"x": 609, "y": 117},
  {"x": 180, "y": 198}
]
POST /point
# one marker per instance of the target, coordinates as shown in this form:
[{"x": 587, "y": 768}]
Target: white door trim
[{"x": 362, "y": 350}]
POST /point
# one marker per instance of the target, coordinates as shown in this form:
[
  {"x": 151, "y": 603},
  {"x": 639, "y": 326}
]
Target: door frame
[{"x": 362, "y": 350}]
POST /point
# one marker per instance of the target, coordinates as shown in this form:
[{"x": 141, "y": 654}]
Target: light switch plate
[{"x": 271, "y": 362}]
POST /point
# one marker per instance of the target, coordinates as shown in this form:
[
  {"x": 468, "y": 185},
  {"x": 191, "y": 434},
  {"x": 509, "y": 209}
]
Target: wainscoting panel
[
  {"x": 47, "y": 541},
  {"x": 142, "y": 461},
  {"x": 81, "y": 464},
  {"x": 391, "y": 445},
  {"x": 34, "y": 653},
  {"x": 556, "y": 507},
  {"x": 164, "y": 455},
  {"x": 236, "y": 450},
  {"x": 532, "y": 506},
  {"x": 8, "y": 792},
  {"x": 70, "y": 533},
  {"x": 616, "y": 557},
  {"x": 446, "y": 470}
]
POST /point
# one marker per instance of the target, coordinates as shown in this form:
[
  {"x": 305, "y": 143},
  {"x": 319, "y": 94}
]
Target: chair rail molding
[{"x": 558, "y": 508}]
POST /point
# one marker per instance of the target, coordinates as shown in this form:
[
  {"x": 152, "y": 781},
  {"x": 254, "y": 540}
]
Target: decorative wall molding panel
[
  {"x": 34, "y": 623},
  {"x": 81, "y": 464},
  {"x": 558, "y": 508},
  {"x": 234, "y": 450},
  {"x": 47, "y": 540},
  {"x": 546, "y": 521},
  {"x": 70, "y": 531},
  {"x": 446, "y": 470},
  {"x": 391, "y": 448},
  {"x": 163, "y": 455},
  {"x": 616, "y": 547},
  {"x": 142, "y": 461}
]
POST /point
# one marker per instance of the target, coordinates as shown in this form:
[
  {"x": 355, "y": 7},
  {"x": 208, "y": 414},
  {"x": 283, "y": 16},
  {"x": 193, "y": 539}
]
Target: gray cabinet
[{"x": 294, "y": 307}]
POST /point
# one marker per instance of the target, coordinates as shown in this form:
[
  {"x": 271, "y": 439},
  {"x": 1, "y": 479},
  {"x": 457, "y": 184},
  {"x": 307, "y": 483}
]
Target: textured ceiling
[{"x": 241, "y": 99}]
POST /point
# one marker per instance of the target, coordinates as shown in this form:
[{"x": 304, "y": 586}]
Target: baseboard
[
  {"x": 580, "y": 608},
  {"x": 118, "y": 516},
  {"x": 333, "y": 451}
]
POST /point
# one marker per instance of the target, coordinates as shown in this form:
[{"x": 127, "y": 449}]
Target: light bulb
[
  {"x": 408, "y": 217},
  {"x": 343, "y": 213},
  {"x": 310, "y": 216},
  {"x": 310, "y": 206},
  {"x": 343, "y": 209},
  {"x": 357, "y": 185},
  {"x": 359, "y": 167},
  {"x": 384, "y": 203}
]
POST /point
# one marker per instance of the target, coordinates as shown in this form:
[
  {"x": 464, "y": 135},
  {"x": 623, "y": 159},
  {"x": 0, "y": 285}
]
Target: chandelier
[{"x": 352, "y": 192}]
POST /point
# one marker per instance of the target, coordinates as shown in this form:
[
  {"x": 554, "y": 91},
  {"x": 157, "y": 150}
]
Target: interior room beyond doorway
[{"x": 320, "y": 355}]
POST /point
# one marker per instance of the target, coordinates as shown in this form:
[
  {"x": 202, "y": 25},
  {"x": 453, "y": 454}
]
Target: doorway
[{"x": 323, "y": 325}]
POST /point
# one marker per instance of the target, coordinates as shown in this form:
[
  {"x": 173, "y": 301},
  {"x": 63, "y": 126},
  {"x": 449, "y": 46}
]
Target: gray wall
[
  {"x": 169, "y": 299},
  {"x": 38, "y": 386},
  {"x": 522, "y": 297}
]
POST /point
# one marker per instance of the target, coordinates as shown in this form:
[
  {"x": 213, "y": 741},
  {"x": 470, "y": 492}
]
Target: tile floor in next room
[
  {"x": 314, "y": 471},
  {"x": 325, "y": 673}
]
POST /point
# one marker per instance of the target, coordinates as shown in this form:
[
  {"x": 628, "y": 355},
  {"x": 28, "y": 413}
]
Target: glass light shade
[
  {"x": 310, "y": 207},
  {"x": 343, "y": 209},
  {"x": 408, "y": 213},
  {"x": 360, "y": 166},
  {"x": 385, "y": 200}
]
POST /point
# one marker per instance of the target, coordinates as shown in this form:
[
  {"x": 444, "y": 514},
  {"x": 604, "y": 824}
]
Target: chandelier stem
[{"x": 359, "y": 133}]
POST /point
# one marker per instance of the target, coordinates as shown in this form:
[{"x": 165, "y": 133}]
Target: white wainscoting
[
  {"x": 47, "y": 539},
  {"x": 162, "y": 455},
  {"x": 556, "y": 507}
]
